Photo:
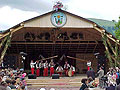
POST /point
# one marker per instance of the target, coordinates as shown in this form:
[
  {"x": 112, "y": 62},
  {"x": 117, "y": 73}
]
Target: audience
[{"x": 12, "y": 79}]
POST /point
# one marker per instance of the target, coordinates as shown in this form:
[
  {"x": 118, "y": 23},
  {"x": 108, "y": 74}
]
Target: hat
[{"x": 42, "y": 89}]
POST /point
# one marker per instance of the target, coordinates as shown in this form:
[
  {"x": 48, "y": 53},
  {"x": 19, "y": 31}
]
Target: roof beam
[
  {"x": 102, "y": 31},
  {"x": 12, "y": 31}
]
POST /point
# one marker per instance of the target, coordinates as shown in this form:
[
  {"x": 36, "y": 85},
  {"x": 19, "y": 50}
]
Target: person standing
[
  {"x": 45, "y": 68},
  {"x": 66, "y": 67},
  {"x": 51, "y": 65},
  {"x": 100, "y": 75},
  {"x": 41, "y": 65},
  {"x": 91, "y": 73},
  {"x": 32, "y": 66},
  {"x": 37, "y": 68},
  {"x": 88, "y": 65},
  {"x": 117, "y": 77}
]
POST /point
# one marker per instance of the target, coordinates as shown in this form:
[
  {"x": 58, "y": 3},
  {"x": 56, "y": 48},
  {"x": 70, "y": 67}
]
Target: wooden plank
[
  {"x": 77, "y": 58},
  {"x": 12, "y": 31},
  {"x": 109, "y": 36},
  {"x": 48, "y": 43}
]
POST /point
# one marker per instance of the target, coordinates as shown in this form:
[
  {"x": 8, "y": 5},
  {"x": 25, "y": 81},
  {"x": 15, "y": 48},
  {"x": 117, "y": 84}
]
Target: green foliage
[{"x": 117, "y": 32}]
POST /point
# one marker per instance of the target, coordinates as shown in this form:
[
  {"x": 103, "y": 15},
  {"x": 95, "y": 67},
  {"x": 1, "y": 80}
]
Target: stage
[
  {"x": 64, "y": 83},
  {"x": 74, "y": 81}
]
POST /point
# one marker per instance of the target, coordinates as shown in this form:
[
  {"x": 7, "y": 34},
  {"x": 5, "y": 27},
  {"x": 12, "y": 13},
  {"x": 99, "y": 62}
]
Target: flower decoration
[{"x": 58, "y": 5}]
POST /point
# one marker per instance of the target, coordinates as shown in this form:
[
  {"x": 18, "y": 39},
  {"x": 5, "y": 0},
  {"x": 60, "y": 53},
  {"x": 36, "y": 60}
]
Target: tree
[
  {"x": 117, "y": 32},
  {"x": 112, "y": 51}
]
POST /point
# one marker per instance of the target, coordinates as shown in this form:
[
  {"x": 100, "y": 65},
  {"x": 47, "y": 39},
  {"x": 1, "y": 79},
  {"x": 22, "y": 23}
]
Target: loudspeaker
[
  {"x": 31, "y": 76},
  {"x": 55, "y": 76}
]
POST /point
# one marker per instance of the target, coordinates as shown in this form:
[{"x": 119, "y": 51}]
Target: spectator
[
  {"x": 111, "y": 87},
  {"x": 3, "y": 85},
  {"x": 101, "y": 74},
  {"x": 8, "y": 84},
  {"x": 13, "y": 83},
  {"x": 84, "y": 84},
  {"x": 117, "y": 77},
  {"x": 118, "y": 87},
  {"x": 22, "y": 87}
]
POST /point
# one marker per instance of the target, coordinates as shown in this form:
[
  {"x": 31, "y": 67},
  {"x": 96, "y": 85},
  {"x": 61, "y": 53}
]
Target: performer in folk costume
[
  {"x": 51, "y": 65},
  {"x": 41, "y": 65},
  {"x": 37, "y": 68},
  {"x": 88, "y": 65},
  {"x": 72, "y": 69},
  {"x": 59, "y": 70},
  {"x": 66, "y": 67},
  {"x": 32, "y": 66},
  {"x": 45, "y": 68}
]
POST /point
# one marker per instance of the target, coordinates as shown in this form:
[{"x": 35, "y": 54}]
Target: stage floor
[
  {"x": 64, "y": 83},
  {"x": 74, "y": 81}
]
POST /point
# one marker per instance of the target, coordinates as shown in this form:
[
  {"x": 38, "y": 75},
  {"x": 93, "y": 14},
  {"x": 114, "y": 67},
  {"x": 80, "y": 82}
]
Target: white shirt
[
  {"x": 32, "y": 65},
  {"x": 88, "y": 63},
  {"x": 45, "y": 65},
  {"x": 37, "y": 65},
  {"x": 66, "y": 66},
  {"x": 73, "y": 69},
  {"x": 59, "y": 68}
]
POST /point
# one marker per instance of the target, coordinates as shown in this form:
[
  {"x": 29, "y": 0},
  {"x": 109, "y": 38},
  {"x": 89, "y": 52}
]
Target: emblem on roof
[{"x": 58, "y": 19}]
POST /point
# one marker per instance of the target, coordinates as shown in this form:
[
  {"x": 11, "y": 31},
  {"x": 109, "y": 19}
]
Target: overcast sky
[{"x": 13, "y": 12}]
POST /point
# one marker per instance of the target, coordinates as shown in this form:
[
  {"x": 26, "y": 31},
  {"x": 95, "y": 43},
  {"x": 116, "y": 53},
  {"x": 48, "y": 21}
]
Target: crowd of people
[
  {"x": 12, "y": 79},
  {"x": 43, "y": 66},
  {"x": 108, "y": 81}
]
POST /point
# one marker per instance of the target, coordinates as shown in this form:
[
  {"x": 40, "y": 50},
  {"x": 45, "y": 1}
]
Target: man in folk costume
[
  {"x": 41, "y": 66},
  {"x": 66, "y": 67},
  {"x": 88, "y": 65},
  {"x": 32, "y": 66},
  {"x": 45, "y": 68},
  {"x": 51, "y": 65},
  {"x": 72, "y": 68},
  {"x": 59, "y": 70},
  {"x": 37, "y": 68}
]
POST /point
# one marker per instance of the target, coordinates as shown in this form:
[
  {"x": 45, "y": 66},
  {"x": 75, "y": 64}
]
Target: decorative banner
[{"x": 58, "y": 19}]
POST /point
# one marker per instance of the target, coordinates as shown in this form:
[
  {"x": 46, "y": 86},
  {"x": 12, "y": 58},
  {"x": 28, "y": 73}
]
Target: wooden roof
[{"x": 21, "y": 25}]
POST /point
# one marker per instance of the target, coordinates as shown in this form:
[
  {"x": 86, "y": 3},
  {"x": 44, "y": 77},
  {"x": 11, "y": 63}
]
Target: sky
[{"x": 13, "y": 12}]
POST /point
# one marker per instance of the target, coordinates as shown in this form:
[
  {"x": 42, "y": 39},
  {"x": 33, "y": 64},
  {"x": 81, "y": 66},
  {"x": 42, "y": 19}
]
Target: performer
[
  {"x": 59, "y": 70},
  {"x": 66, "y": 67},
  {"x": 45, "y": 68},
  {"x": 41, "y": 65},
  {"x": 37, "y": 68},
  {"x": 72, "y": 69},
  {"x": 32, "y": 66},
  {"x": 51, "y": 65},
  {"x": 89, "y": 65}
]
